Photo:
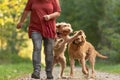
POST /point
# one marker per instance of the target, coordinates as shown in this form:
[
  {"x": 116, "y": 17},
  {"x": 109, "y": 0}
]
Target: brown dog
[
  {"x": 82, "y": 50},
  {"x": 63, "y": 31}
]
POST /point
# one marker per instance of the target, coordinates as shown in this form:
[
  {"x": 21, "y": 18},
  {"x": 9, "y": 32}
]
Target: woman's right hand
[{"x": 19, "y": 25}]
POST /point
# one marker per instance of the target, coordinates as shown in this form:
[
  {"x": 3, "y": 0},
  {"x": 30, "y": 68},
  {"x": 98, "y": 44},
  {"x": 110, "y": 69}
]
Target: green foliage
[
  {"x": 110, "y": 68},
  {"x": 84, "y": 15},
  {"x": 11, "y": 71},
  {"x": 99, "y": 19},
  {"x": 13, "y": 66},
  {"x": 7, "y": 58},
  {"x": 10, "y": 12},
  {"x": 109, "y": 27}
]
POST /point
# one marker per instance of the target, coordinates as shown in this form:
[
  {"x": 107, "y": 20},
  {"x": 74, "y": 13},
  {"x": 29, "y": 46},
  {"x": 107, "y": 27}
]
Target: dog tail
[{"x": 101, "y": 56}]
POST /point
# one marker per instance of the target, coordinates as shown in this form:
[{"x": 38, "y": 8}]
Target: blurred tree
[
  {"x": 109, "y": 26},
  {"x": 10, "y": 12},
  {"x": 100, "y": 19},
  {"x": 84, "y": 14}
]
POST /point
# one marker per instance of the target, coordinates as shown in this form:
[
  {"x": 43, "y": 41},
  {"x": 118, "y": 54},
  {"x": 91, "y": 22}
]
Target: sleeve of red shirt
[
  {"x": 28, "y": 5},
  {"x": 56, "y": 6}
]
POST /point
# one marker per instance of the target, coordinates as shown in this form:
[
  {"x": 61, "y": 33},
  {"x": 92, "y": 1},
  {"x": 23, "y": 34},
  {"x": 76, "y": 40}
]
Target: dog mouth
[{"x": 59, "y": 34}]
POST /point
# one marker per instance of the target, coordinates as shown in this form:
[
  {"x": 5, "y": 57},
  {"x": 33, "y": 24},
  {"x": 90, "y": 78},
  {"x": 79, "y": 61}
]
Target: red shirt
[{"x": 38, "y": 9}]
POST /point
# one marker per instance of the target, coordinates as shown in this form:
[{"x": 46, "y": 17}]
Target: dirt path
[{"x": 78, "y": 75}]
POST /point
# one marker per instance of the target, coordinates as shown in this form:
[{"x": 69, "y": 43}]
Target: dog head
[
  {"x": 81, "y": 38},
  {"x": 63, "y": 29}
]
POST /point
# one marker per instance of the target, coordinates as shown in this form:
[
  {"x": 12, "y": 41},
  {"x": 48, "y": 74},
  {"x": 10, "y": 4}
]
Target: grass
[
  {"x": 102, "y": 66},
  {"x": 13, "y": 66},
  {"x": 110, "y": 68},
  {"x": 11, "y": 71}
]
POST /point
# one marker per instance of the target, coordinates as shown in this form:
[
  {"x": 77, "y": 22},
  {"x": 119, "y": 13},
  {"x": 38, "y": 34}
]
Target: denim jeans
[{"x": 37, "y": 39}]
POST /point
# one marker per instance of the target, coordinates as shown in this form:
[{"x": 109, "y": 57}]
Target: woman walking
[{"x": 43, "y": 14}]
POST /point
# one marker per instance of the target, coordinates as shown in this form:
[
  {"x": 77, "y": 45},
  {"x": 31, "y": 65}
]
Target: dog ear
[
  {"x": 81, "y": 32},
  {"x": 83, "y": 35},
  {"x": 78, "y": 32},
  {"x": 57, "y": 25},
  {"x": 75, "y": 32},
  {"x": 71, "y": 30}
]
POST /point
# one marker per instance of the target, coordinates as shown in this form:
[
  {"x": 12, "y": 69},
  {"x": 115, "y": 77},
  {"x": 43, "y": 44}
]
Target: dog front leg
[
  {"x": 72, "y": 67},
  {"x": 84, "y": 70}
]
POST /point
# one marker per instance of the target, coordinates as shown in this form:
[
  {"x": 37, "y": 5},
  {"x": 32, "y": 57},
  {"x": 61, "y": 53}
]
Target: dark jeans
[{"x": 37, "y": 39}]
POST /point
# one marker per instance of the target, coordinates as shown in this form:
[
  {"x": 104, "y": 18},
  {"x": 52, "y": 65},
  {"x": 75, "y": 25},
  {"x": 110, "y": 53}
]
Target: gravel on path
[{"x": 77, "y": 75}]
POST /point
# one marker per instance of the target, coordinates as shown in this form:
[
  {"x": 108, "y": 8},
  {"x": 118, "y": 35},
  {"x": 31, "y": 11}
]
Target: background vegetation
[{"x": 100, "y": 19}]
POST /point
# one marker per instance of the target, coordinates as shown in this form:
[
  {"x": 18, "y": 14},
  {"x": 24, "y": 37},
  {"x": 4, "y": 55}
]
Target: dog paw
[
  {"x": 86, "y": 76},
  {"x": 93, "y": 76},
  {"x": 59, "y": 77},
  {"x": 65, "y": 77},
  {"x": 71, "y": 76},
  {"x": 91, "y": 79}
]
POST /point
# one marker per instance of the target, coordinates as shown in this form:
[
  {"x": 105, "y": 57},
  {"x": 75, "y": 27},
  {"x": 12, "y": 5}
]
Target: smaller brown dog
[
  {"x": 63, "y": 31},
  {"x": 83, "y": 50}
]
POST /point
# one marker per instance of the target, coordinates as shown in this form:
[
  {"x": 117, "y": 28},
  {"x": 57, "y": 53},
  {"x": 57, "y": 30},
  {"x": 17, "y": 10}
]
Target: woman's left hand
[{"x": 47, "y": 17}]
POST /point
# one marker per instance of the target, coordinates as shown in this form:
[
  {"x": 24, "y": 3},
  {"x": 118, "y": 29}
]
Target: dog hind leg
[
  {"x": 92, "y": 62},
  {"x": 63, "y": 65}
]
